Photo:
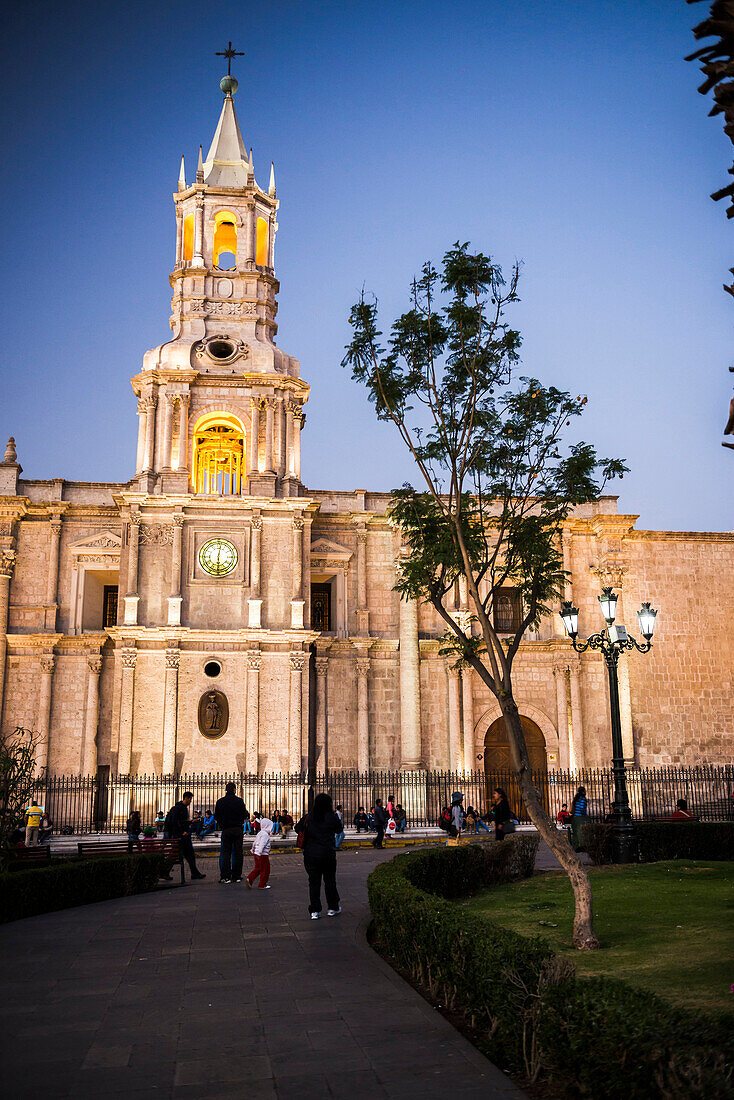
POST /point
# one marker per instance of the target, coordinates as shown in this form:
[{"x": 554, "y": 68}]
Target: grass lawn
[{"x": 665, "y": 927}]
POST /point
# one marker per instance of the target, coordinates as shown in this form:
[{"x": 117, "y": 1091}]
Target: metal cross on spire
[{"x": 229, "y": 53}]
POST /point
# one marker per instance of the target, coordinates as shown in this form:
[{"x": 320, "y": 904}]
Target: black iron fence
[{"x": 101, "y": 804}]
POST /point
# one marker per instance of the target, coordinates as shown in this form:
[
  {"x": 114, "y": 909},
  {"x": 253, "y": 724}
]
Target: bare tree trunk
[{"x": 583, "y": 921}]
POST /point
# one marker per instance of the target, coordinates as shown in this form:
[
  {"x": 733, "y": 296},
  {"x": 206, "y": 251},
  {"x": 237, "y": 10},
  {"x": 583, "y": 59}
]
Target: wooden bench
[
  {"x": 18, "y": 858},
  {"x": 170, "y": 848}
]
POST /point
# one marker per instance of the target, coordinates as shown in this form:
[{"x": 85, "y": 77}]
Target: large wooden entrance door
[{"x": 498, "y": 766}]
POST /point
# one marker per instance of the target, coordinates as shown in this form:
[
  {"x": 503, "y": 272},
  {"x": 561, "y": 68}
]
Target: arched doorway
[{"x": 498, "y": 766}]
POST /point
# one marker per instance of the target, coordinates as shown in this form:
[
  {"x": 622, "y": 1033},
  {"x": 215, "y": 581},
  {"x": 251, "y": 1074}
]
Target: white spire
[
  {"x": 200, "y": 169},
  {"x": 182, "y": 177},
  {"x": 271, "y": 187},
  {"x": 226, "y": 163}
]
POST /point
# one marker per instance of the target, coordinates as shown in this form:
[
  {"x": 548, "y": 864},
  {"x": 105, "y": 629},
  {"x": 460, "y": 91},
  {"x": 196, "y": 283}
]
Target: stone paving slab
[{"x": 221, "y": 992}]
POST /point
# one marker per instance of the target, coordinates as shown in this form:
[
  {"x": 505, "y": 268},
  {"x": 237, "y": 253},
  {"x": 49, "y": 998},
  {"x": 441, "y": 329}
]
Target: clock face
[{"x": 218, "y": 557}]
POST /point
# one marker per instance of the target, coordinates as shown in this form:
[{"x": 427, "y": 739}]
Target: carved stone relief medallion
[
  {"x": 224, "y": 288},
  {"x": 213, "y": 714}
]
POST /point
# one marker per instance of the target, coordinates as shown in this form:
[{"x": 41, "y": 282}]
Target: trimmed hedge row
[
  {"x": 77, "y": 882},
  {"x": 584, "y": 1037},
  {"x": 663, "y": 840}
]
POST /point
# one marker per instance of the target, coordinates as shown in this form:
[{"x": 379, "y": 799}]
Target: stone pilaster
[
  {"x": 7, "y": 564},
  {"x": 560, "y": 673},
  {"x": 175, "y": 598},
  {"x": 269, "y": 434},
  {"x": 131, "y": 596},
  {"x": 410, "y": 687},
  {"x": 297, "y": 665},
  {"x": 183, "y": 432},
  {"x": 467, "y": 717},
  {"x": 297, "y": 602},
  {"x": 297, "y": 425},
  {"x": 170, "y": 710},
  {"x": 168, "y": 407},
  {"x": 142, "y": 425},
  {"x": 252, "y": 732},
  {"x": 91, "y": 716},
  {"x": 254, "y": 603},
  {"x": 52, "y": 579},
  {"x": 43, "y": 721},
  {"x": 151, "y": 403},
  {"x": 576, "y": 754},
  {"x": 128, "y": 657},
  {"x": 198, "y": 257},
  {"x": 363, "y": 713},
  {"x": 454, "y": 716},
  {"x": 254, "y": 436},
  {"x": 363, "y": 615},
  {"x": 322, "y": 667}
]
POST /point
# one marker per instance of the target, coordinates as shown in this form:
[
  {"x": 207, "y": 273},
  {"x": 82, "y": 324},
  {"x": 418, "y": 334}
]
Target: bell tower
[{"x": 220, "y": 405}]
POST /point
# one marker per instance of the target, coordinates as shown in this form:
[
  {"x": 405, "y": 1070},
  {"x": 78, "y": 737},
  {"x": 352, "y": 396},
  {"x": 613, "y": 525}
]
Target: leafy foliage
[{"x": 17, "y": 777}]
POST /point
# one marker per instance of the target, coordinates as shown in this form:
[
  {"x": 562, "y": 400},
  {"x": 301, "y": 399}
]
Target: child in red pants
[{"x": 261, "y": 850}]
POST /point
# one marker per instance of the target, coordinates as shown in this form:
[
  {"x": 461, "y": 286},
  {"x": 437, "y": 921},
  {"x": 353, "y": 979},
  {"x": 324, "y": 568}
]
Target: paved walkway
[{"x": 220, "y": 992}]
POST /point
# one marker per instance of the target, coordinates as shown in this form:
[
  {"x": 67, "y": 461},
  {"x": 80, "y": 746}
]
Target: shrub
[
  {"x": 77, "y": 882},
  {"x": 531, "y": 1014},
  {"x": 664, "y": 840}
]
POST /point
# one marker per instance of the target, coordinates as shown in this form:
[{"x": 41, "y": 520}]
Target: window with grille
[
  {"x": 507, "y": 610},
  {"x": 321, "y": 606},
  {"x": 109, "y": 608}
]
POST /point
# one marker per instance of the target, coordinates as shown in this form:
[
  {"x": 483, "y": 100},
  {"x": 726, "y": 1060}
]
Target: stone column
[
  {"x": 576, "y": 741},
  {"x": 279, "y": 463},
  {"x": 128, "y": 656},
  {"x": 198, "y": 258},
  {"x": 322, "y": 665},
  {"x": 289, "y": 439},
  {"x": 255, "y": 603},
  {"x": 269, "y": 421},
  {"x": 91, "y": 716},
  {"x": 251, "y": 232},
  {"x": 363, "y": 714},
  {"x": 560, "y": 673},
  {"x": 170, "y": 710},
  {"x": 363, "y": 615},
  {"x": 52, "y": 579},
  {"x": 7, "y": 562},
  {"x": 252, "y": 733},
  {"x": 297, "y": 423},
  {"x": 131, "y": 596},
  {"x": 455, "y": 761},
  {"x": 179, "y": 237},
  {"x": 467, "y": 715},
  {"x": 151, "y": 403},
  {"x": 183, "y": 432},
  {"x": 410, "y": 687},
  {"x": 271, "y": 241},
  {"x": 297, "y": 663},
  {"x": 142, "y": 425},
  {"x": 43, "y": 721},
  {"x": 174, "y": 600},
  {"x": 169, "y": 403},
  {"x": 297, "y": 601},
  {"x": 254, "y": 436}
]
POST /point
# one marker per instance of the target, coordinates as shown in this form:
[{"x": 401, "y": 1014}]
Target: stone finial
[
  {"x": 182, "y": 176},
  {"x": 271, "y": 187},
  {"x": 10, "y": 452},
  {"x": 200, "y": 168}
]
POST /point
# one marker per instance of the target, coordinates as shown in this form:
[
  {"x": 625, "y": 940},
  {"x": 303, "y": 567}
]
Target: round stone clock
[{"x": 218, "y": 557}]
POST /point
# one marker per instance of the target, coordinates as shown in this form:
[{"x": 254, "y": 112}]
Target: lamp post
[{"x": 611, "y": 642}]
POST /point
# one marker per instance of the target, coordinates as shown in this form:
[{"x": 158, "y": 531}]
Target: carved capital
[
  {"x": 270, "y": 402},
  {"x": 171, "y": 398},
  {"x": 298, "y": 412},
  {"x": 363, "y": 666},
  {"x": 361, "y": 535},
  {"x": 47, "y": 663},
  {"x": 94, "y": 663},
  {"x": 151, "y": 400},
  {"x": 128, "y": 656},
  {"x": 173, "y": 658},
  {"x": 298, "y": 661},
  {"x": 560, "y": 669},
  {"x": 135, "y": 519},
  {"x": 142, "y": 406},
  {"x": 322, "y": 665},
  {"x": 298, "y": 522},
  {"x": 7, "y": 562},
  {"x": 256, "y": 523},
  {"x": 254, "y": 661},
  {"x": 178, "y": 519},
  {"x": 55, "y": 526},
  {"x": 185, "y": 399},
  {"x": 451, "y": 669}
]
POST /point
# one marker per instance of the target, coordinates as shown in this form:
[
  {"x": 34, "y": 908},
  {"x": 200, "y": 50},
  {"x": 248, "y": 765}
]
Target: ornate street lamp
[{"x": 611, "y": 642}]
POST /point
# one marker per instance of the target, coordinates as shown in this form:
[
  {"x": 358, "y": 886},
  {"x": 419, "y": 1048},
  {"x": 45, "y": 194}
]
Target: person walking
[
  {"x": 381, "y": 819},
  {"x": 261, "y": 852},
  {"x": 230, "y": 816},
  {"x": 178, "y": 826},
  {"x": 33, "y": 816},
  {"x": 457, "y": 814},
  {"x": 340, "y": 835},
  {"x": 579, "y": 815},
  {"x": 320, "y": 828}
]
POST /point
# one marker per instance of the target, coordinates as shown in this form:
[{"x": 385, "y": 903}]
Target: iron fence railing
[{"x": 102, "y": 803}]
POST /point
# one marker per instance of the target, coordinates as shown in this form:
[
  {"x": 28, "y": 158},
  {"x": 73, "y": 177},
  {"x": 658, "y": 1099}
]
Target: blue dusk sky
[{"x": 567, "y": 134}]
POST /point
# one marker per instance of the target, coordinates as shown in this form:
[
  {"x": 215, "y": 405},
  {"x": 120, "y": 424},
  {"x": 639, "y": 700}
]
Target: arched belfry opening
[
  {"x": 218, "y": 460},
  {"x": 225, "y": 240}
]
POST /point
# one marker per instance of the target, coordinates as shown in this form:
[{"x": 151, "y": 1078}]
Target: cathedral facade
[{"x": 213, "y": 614}]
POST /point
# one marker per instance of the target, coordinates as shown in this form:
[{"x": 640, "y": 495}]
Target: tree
[
  {"x": 498, "y": 486},
  {"x": 17, "y": 778}
]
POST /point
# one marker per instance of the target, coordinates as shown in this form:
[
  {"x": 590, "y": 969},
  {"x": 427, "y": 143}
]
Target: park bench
[
  {"x": 37, "y": 856},
  {"x": 170, "y": 849}
]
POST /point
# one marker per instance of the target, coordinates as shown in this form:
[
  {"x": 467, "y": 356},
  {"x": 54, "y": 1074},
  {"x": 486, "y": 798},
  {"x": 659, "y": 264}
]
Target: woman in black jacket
[
  {"x": 320, "y": 828},
  {"x": 504, "y": 821}
]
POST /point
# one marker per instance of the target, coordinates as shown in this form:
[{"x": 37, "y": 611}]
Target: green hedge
[
  {"x": 77, "y": 882},
  {"x": 664, "y": 840},
  {"x": 523, "y": 1004}
]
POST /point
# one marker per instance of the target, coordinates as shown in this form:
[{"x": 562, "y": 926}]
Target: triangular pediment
[
  {"x": 102, "y": 540},
  {"x": 325, "y": 548}
]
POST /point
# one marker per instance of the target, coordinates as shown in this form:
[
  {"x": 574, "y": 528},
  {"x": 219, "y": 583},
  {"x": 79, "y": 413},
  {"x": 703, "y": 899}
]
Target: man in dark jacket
[
  {"x": 178, "y": 825},
  {"x": 230, "y": 813},
  {"x": 380, "y": 823},
  {"x": 361, "y": 821}
]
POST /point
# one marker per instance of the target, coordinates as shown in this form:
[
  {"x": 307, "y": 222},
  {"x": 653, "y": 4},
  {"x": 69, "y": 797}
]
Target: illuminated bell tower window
[
  {"x": 219, "y": 447},
  {"x": 225, "y": 241}
]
